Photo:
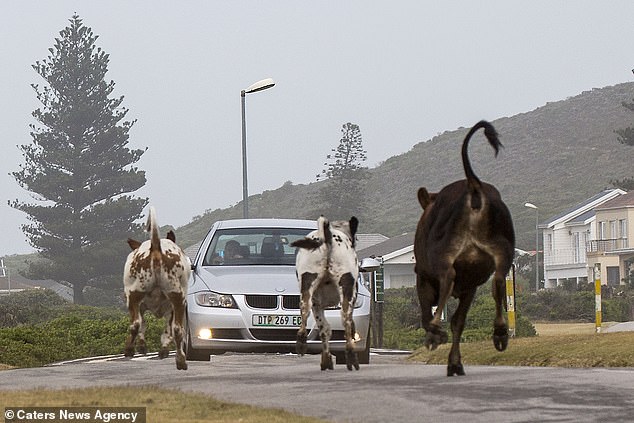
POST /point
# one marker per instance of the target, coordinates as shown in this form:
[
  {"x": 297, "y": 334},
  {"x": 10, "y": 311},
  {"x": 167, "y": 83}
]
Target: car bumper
[{"x": 233, "y": 329}]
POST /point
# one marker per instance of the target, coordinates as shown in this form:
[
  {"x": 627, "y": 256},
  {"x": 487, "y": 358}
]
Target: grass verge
[
  {"x": 162, "y": 405},
  {"x": 594, "y": 350}
]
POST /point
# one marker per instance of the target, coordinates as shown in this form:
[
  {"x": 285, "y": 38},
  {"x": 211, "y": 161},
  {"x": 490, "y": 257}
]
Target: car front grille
[
  {"x": 290, "y": 302},
  {"x": 275, "y": 334},
  {"x": 269, "y": 302},
  {"x": 227, "y": 334},
  {"x": 261, "y": 301}
]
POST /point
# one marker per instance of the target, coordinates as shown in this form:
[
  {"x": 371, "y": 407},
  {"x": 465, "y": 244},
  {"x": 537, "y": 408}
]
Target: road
[{"x": 390, "y": 389}]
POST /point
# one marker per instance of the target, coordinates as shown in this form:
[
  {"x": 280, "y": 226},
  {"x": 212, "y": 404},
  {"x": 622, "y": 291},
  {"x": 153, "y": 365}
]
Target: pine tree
[
  {"x": 343, "y": 193},
  {"x": 79, "y": 169}
]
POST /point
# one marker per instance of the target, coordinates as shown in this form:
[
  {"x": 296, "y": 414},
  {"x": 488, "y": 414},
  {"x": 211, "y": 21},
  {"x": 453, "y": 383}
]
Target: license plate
[{"x": 276, "y": 320}]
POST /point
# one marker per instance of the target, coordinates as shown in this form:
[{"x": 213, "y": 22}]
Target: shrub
[
  {"x": 30, "y": 306},
  {"x": 402, "y": 323},
  {"x": 81, "y": 331}
]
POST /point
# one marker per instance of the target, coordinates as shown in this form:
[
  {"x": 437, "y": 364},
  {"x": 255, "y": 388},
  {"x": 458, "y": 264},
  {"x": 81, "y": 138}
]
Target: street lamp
[
  {"x": 258, "y": 86},
  {"x": 533, "y": 206}
]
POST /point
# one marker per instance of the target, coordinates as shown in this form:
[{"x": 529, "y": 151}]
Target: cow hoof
[
  {"x": 326, "y": 361},
  {"x": 434, "y": 338},
  {"x": 163, "y": 353},
  {"x": 455, "y": 369},
  {"x": 500, "y": 338},
  {"x": 181, "y": 365},
  {"x": 142, "y": 349},
  {"x": 301, "y": 346},
  {"x": 129, "y": 352},
  {"x": 352, "y": 359}
]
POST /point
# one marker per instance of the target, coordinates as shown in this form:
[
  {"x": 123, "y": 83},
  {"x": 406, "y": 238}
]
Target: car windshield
[{"x": 253, "y": 246}]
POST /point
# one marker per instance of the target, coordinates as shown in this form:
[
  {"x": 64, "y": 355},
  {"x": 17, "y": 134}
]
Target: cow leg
[
  {"x": 167, "y": 336},
  {"x": 454, "y": 366},
  {"x": 325, "y": 332},
  {"x": 134, "y": 308},
  {"x": 500, "y": 327},
  {"x": 305, "y": 306},
  {"x": 348, "y": 295},
  {"x": 436, "y": 335},
  {"x": 141, "y": 344},
  {"x": 426, "y": 296},
  {"x": 178, "y": 319}
]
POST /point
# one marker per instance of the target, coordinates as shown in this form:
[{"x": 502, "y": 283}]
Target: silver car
[{"x": 244, "y": 293}]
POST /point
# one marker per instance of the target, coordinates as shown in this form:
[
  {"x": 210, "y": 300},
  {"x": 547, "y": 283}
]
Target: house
[
  {"x": 613, "y": 247},
  {"x": 565, "y": 237},
  {"x": 397, "y": 254}
]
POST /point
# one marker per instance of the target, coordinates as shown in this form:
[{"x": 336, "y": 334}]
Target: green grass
[
  {"x": 593, "y": 350},
  {"x": 162, "y": 405}
]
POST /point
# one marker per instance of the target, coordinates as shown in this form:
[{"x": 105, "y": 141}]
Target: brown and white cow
[
  {"x": 327, "y": 270},
  {"x": 464, "y": 235},
  {"x": 155, "y": 278}
]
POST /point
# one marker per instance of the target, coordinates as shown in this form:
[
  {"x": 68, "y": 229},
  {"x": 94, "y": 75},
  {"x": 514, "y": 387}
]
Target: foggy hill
[{"x": 555, "y": 157}]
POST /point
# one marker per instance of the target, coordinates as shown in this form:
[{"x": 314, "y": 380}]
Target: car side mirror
[{"x": 369, "y": 264}]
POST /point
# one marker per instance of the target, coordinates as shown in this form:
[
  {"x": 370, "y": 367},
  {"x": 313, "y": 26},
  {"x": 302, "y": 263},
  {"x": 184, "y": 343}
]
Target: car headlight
[{"x": 214, "y": 299}]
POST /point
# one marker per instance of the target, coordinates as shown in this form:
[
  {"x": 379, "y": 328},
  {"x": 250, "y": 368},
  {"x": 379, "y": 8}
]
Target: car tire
[{"x": 363, "y": 356}]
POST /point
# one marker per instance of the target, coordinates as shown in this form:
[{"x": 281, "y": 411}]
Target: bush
[
  {"x": 30, "y": 306},
  {"x": 560, "y": 304},
  {"x": 75, "y": 332},
  {"x": 402, "y": 322}
]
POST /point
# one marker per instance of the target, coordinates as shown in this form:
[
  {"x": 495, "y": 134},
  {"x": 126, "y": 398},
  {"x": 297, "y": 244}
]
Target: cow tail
[
  {"x": 473, "y": 181},
  {"x": 323, "y": 227},
  {"x": 152, "y": 227}
]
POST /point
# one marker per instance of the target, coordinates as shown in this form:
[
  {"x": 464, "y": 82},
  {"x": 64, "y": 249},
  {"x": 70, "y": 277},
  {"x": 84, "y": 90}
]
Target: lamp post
[
  {"x": 257, "y": 86},
  {"x": 533, "y": 206}
]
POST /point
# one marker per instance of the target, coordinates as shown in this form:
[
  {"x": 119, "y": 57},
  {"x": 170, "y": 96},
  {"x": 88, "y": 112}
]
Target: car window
[{"x": 253, "y": 246}]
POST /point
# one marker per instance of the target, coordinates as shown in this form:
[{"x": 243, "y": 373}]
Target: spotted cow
[
  {"x": 327, "y": 271},
  {"x": 155, "y": 278}
]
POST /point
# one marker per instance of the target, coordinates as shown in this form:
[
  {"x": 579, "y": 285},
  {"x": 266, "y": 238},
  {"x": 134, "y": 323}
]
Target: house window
[
  {"x": 576, "y": 247},
  {"x": 613, "y": 234},
  {"x": 623, "y": 228},
  {"x": 549, "y": 243},
  {"x": 613, "y": 275},
  {"x": 602, "y": 234}
]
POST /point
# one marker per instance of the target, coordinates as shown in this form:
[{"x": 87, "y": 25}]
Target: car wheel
[{"x": 363, "y": 356}]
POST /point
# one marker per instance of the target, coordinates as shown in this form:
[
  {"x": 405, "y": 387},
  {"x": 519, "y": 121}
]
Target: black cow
[{"x": 464, "y": 235}]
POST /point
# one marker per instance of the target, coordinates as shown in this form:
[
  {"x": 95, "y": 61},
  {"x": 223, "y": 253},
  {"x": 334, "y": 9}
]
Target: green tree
[
  {"x": 79, "y": 169},
  {"x": 343, "y": 192},
  {"x": 625, "y": 136}
]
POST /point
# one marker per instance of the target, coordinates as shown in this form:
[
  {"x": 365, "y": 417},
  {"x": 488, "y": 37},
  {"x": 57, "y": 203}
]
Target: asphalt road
[{"x": 388, "y": 390}]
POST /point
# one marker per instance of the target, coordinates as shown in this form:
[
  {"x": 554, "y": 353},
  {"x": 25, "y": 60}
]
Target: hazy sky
[{"x": 403, "y": 71}]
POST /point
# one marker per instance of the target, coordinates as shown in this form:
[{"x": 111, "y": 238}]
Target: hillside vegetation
[{"x": 555, "y": 157}]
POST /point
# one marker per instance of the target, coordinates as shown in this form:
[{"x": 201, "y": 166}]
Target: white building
[
  {"x": 565, "y": 237},
  {"x": 397, "y": 254}
]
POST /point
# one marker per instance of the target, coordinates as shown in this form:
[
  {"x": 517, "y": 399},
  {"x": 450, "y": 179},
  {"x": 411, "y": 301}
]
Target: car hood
[{"x": 246, "y": 280}]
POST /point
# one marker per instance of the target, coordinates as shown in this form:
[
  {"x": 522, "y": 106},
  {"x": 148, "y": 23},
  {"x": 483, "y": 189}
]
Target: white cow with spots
[
  {"x": 327, "y": 270},
  {"x": 155, "y": 278}
]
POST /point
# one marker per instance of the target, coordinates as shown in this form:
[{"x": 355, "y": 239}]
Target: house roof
[
  {"x": 622, "y": 201},
  {"x": 388, "y": 246},
  {"x": 582, "y": 218},
  {"x": 368, "y": 240},
  {"x": 582, "y": 208}
]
